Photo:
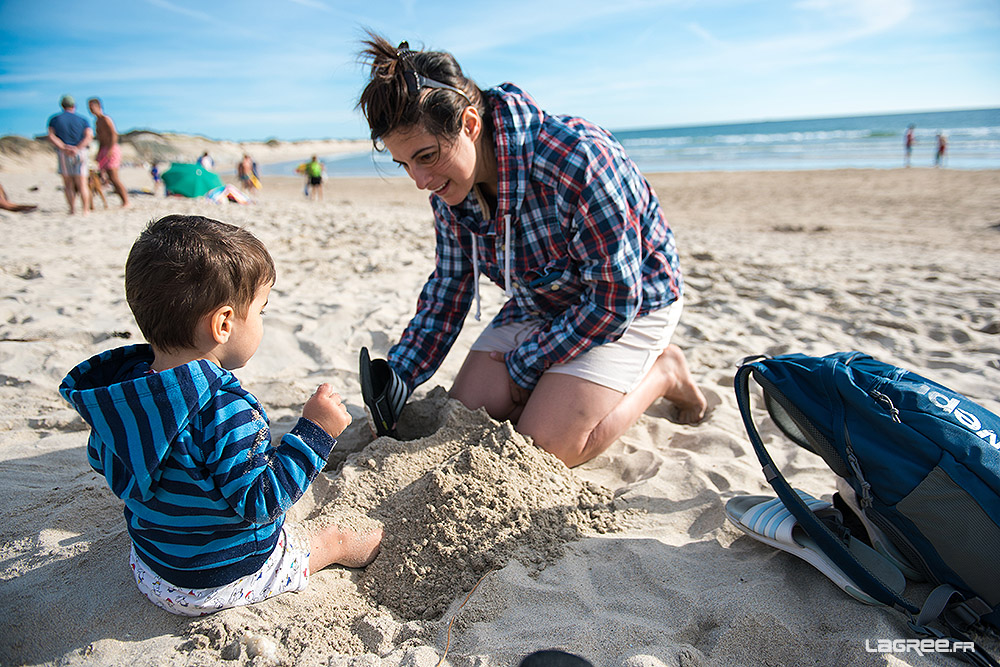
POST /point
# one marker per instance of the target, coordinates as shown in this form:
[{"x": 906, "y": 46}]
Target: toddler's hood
[{"x": 137, "y": 418}]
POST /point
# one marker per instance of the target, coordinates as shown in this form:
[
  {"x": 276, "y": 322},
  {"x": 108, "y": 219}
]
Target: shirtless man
[
  {"x": 245, "y": 172},
  {"x": 109, "y": 155}
]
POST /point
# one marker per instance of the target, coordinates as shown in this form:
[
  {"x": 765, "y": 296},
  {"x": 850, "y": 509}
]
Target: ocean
[{"x": 859, "y": 142}]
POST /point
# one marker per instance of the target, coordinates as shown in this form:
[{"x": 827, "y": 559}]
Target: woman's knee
[
  {"x": 565, "y": 414},
  {"x": 482, "y": 383},
  {"x": 566, "y": 444}
]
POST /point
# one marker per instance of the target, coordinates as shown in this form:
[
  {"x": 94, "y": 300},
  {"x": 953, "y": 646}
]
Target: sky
[{"x": 248, "y": 70}]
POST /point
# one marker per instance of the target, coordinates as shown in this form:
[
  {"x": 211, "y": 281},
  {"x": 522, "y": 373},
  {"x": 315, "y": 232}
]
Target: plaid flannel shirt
[{"x": 591, "y": 248}]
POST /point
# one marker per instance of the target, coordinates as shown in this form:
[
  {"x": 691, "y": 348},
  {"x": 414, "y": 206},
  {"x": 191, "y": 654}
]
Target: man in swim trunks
[
  {"x": 246, "y": 170},
  {"x": 70, "y": 133},
  {"x": 109, "y": 155}
]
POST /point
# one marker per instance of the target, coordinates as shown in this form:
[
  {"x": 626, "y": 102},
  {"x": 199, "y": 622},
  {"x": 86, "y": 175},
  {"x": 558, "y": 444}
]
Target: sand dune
[{"x": 142, "y": 147}]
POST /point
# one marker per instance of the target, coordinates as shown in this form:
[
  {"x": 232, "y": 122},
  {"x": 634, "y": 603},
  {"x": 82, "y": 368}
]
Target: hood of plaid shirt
[{"x": 517, "y": 121}]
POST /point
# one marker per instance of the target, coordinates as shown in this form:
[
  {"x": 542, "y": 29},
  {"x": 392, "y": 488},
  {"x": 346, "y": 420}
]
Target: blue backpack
[{"x": 923, "y": 462}]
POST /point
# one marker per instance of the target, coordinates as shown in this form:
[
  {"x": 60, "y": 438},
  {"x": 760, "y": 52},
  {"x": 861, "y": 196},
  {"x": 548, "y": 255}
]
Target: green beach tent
[{"x": 189, "y": 180}]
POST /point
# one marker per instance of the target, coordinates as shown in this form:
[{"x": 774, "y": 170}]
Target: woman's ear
[
  {"x": 220, "y": 322},
  {"x": 472, "y": 123}
]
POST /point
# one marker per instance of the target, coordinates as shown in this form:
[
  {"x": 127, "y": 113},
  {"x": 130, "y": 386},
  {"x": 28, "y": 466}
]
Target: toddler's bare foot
[
  {"x": 343, "y": 546},
  {"x": 681, "y": 388},
  {"x": 359, "y": 549}
]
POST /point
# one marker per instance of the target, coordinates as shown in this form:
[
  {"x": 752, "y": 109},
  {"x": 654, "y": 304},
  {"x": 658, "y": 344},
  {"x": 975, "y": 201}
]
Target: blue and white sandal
[{"x": 766, "y": 519}]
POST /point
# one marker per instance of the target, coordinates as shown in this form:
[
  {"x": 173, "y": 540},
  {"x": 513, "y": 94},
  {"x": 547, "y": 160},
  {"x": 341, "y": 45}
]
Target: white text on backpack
[{"x": 949, "y": 405}]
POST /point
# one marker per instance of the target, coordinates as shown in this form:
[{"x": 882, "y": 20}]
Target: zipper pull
[
  {"x": 886, "y": 403},
  {"x": 865, "y": 497}
]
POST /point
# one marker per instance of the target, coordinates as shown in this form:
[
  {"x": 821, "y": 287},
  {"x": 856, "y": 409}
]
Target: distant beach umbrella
[{"x": 190, "y": 180}]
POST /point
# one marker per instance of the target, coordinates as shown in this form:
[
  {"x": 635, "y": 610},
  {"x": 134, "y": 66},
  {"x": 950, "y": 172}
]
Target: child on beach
[
  {"x": 154, "y": 171},
  {"x": 187, "y": 448}
]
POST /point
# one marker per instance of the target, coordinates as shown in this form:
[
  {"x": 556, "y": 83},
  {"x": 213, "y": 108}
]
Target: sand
[{"x": 626, "y": 560}]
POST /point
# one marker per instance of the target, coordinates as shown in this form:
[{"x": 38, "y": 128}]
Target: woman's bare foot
[
  {"x": 681, "y": 389},
  {"x": 342, "y": 546}
]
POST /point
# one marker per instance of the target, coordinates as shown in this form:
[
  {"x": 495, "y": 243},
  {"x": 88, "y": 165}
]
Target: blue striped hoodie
[{"x": 189, "y": 452}]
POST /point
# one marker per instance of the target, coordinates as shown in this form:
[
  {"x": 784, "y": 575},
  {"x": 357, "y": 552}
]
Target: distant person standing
[
  {"x": 154, "y": 171},
  {"x": 246, "y": 170},
  {"x": 314, "y": 172},
  {"x": 109, "y": 155},
  {"x": 301, "y": 169},
  {"x": 942, "y": 146},
  {"x": 908, "y": 141},
  {"x": 70, "y": 133},
  {"x": 206, "y": 162}
]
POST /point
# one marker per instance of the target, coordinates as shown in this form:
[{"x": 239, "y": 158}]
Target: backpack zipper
[{"x": 878, "y": 396}]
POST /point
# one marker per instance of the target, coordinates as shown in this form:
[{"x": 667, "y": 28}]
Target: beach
[{"x": 626, "y": 560}]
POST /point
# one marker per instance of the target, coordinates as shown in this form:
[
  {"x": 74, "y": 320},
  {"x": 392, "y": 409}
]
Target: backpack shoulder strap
[
  {"x": 824, "y": 537},
  {"x": 837, "y": 551}
]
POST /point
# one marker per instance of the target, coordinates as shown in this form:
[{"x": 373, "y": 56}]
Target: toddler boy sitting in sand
[{"x": 187, "y": 448}]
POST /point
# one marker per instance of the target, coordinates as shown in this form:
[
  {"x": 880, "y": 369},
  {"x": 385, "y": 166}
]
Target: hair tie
[
  {"x": 404, "y": 53},
  {"x": 415, "y": 80}
]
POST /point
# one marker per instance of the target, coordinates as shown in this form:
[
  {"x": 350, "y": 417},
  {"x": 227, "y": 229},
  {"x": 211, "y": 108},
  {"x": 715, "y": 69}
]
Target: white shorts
[
  {"x": 619, "y": 365},
  {"x": 286, "y": 569}
]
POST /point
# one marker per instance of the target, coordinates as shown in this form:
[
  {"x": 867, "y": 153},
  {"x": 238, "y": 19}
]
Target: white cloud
[
  {"x": 313, "y": 4},
  {"x": 170, "y": 6},
  {"x": 704, "y": 34},
  {"x": 862, "y": 17},
  {"x": 227, "y": 25},
  {"x": 814, "y": 34}
]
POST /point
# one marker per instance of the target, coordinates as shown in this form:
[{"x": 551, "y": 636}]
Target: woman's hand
[
  {"x": 518, "y": 394},
  {"x": 325, "y": 408}
]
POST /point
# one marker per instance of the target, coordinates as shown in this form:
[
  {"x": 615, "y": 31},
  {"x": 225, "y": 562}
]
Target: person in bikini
[{"x": 7, "y": 205}]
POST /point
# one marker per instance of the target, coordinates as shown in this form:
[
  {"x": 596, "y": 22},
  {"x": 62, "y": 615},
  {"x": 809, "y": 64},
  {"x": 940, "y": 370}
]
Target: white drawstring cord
[
  {"x": 475, "y": 275},
  {"x": 507, "y": 289},
  {"x": 507, "y": 250}
]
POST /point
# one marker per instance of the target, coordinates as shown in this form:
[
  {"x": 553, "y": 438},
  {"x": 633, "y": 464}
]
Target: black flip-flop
[{"x": 384, "y": 394}]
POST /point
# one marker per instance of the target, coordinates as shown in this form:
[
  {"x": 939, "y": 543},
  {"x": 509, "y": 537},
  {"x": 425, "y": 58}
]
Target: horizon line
[{"x": 730, "y": 123}]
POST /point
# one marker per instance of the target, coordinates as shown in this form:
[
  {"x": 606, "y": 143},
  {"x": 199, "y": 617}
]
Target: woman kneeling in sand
[{"x": 582, "y": 346}]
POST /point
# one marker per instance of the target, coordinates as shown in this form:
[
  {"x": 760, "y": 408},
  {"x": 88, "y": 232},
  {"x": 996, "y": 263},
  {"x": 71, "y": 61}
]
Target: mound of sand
[
  {"x": 460, "y": 503},
  {"x": 456, "y": 504}
]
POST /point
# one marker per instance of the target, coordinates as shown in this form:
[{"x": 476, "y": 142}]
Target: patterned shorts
[
  {"x": 73, "y": 165},
  {"x": 286, "y": 569}
]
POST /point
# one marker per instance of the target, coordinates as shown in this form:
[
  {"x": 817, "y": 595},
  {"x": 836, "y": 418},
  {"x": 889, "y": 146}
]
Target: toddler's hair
[{"x": 182, "y": 267}]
